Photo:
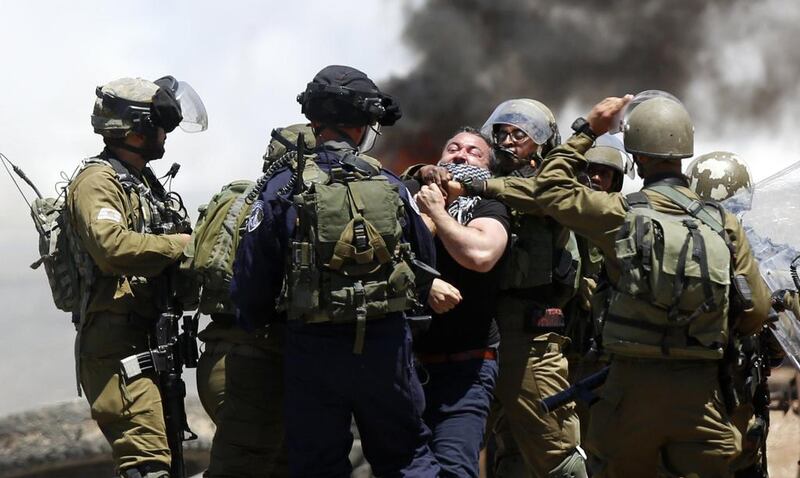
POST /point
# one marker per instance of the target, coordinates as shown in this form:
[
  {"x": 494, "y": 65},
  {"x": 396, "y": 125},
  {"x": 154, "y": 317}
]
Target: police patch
[{"x": 256, "y": 216}]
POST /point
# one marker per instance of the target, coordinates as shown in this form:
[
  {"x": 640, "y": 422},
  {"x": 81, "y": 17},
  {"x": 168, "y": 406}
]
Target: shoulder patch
[
  {"x": 108, "y": 214},
  {"x": 256, "y": 216}
]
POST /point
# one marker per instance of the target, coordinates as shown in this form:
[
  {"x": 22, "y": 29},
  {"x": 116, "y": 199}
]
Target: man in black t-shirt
[{"x": 458, "y": 354}]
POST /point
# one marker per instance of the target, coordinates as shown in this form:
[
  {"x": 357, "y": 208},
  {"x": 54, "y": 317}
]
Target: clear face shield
[
  {"x": 528, "y": 118},
  {"x": 621, "y": 119},
  {"x": 195, "y": 118},
  {"x": 370, "y": 138},
  {"x": 522, "y": 114}
]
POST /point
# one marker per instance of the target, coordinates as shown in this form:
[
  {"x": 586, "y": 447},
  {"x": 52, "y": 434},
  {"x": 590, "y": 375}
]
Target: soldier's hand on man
[
  {"x": 430, "y": 201},
  {"x": 602, "y": 116},
  {"x": 184, "y": 238},
  {"x": 432, "y": 174},
  {"x": 443, "y": 296}
]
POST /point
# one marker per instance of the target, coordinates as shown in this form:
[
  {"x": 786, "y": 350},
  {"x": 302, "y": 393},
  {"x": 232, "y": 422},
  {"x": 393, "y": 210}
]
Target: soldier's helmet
[
  {"x": 139, "y": 105},
  {"x": 341, "y": 95},
  {"x": 723, "y": 177},
  {"x": 659, "y": 127},
  {"x": 608, "y": 151},
  {"x": 533, "y": 117},
  {"x": 285, "y": 139}
]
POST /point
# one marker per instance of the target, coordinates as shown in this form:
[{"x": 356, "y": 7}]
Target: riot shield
[{"x": 772, "y": 225}]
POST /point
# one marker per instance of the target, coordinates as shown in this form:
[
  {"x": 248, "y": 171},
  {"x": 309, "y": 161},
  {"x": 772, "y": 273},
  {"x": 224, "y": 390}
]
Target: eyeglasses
[{"x": 516, "y": 135}]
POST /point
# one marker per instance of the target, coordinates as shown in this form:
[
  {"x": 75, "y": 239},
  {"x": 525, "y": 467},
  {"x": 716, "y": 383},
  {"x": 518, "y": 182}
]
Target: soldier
[
  {"x": 661, "y": 410},
  {"x": 458, "y": 353},
  {"x": 607, "y": 166},
  {"x": 132, "y": 230},
  {"x": 721, "y": 176},
  {"x": 725, "y": 177},
  {"x": 240, "y": 373},
  {"x": 336, "y": 241}
]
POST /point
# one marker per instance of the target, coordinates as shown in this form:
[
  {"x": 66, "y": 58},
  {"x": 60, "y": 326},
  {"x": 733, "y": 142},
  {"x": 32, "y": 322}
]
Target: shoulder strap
[
  {"x": 638, "y": 199},
  {"x": 693, "y": 207},
  {"x": 125, "y": 177}
]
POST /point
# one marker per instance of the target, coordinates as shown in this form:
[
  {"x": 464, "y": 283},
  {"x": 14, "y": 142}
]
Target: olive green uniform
[
  {"x": 533, "y": 365},
  {"x": 120, "y": 312},
  {"x": 653, "y": 414},
  {"x": 584, "y": 354},
  {"x": 240, "y": 383}
]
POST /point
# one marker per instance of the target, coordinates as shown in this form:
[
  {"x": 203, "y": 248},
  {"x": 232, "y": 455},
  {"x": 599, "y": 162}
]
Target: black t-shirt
[{"x": 470, "y": 325}]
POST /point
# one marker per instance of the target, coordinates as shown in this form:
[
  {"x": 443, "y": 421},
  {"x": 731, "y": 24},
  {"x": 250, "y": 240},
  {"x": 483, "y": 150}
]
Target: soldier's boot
[
  {"x": 145, "y": 471},
  {"x": 573, "y": 466}
]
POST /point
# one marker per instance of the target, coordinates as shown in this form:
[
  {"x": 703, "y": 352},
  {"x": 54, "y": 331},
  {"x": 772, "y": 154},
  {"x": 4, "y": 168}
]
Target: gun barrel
[{"x": 581, "y": 390}]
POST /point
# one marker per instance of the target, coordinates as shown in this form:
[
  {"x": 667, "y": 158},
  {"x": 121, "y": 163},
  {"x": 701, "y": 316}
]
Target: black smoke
[{"x": 473, "y": 54}]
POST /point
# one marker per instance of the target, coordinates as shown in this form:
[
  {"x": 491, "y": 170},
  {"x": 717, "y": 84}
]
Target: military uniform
[
  {"x": 585, "y": 354},
  {"x": 108, "y": 221},
  {"x": 336, "y": 255},
  {"x": 240, "y": 384},
  {"x": 240, "y": 373},
  {"x": 124, "y": 231},
  {"x": 539, "y": 280},
  {"x": 653, "y": 413}
]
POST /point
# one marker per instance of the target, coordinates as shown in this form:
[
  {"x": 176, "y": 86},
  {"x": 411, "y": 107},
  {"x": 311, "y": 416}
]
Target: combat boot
[{"x": 573, "y": 466}]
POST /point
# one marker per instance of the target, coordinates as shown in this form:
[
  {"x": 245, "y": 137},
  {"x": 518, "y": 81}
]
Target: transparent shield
[
  {"x": 619, "y": 121},
  {"x": 771, "y": 226},
  {"x": 525, "y": 115},
  {"x": 195, "y": 118}
]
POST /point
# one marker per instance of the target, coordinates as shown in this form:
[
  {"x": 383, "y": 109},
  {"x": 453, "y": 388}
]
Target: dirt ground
[{"x": 783, "y": 441}]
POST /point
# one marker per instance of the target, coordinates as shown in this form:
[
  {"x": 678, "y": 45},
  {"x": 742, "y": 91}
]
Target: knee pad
[{"x": 573, "y": 466}]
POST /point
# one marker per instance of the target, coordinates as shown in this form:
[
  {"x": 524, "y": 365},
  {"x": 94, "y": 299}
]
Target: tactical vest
[
  {"x": 348, "y": 262},
  {"x": 535, "y": 260},
  {"x": 671, "y": 300},
  {"x": 154, "y": 212}
]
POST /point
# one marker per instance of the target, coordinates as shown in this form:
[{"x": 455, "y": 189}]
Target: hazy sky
[{"x": 247, "y": 59}]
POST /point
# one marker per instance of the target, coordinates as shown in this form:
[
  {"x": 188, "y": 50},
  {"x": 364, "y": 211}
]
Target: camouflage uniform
[{"x": 653, "y": 414}]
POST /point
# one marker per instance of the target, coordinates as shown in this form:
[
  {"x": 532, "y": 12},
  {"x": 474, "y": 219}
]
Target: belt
[{"x": 435, "y": 358}]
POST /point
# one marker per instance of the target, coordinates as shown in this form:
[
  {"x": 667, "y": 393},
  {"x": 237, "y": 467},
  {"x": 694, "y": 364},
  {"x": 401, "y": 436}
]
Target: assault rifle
[
  {"x": 582, "y": 390},
  {"x": 173, "y": 351}
]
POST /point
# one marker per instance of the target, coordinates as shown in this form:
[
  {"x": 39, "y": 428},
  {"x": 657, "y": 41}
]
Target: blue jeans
[
  {"x": 458, "y": 397},
  {"x": 327, "y": 384}
]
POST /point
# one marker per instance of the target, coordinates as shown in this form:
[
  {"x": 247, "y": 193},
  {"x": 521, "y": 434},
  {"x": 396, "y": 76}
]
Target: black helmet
[{"x": 342, "y": 95}]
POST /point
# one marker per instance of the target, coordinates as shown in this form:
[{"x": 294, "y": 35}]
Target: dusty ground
[{"x": 783, "y": 442}]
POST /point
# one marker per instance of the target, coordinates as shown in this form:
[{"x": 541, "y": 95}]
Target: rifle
[
  {"x": 582, "y": 390},
  {"x": 173, "y": 351}
]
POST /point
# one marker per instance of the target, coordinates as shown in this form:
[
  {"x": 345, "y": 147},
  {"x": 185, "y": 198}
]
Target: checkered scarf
[{"x": 461, "y": 209}]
